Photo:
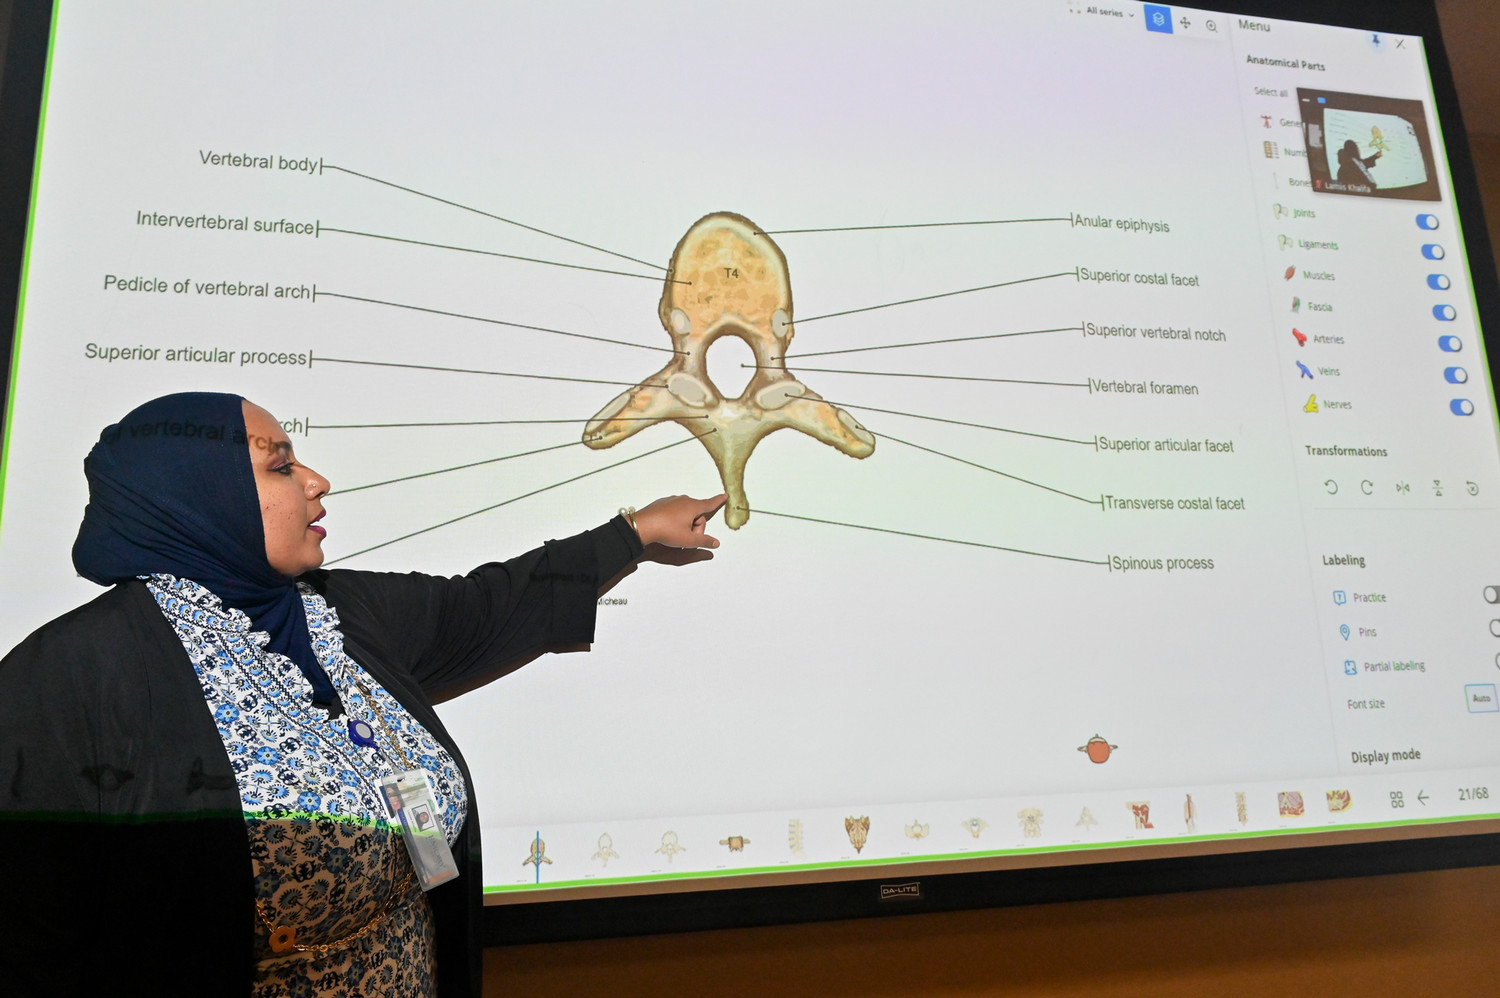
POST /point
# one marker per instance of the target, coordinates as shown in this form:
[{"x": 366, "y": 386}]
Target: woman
[
  {"x": 1354, "y": 169},
  {"x": 195, "y": 767}
]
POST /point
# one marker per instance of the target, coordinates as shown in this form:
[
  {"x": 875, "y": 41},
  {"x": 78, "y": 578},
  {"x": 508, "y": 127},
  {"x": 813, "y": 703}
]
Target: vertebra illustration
[{"x": 728, "y": 278}]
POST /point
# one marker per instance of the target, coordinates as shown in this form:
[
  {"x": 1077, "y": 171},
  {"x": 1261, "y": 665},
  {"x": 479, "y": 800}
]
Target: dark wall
[{"x": 1409, "y": 934}]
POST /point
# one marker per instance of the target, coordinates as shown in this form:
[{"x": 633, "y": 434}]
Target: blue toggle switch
[
  {"x": 1427, "y": 222},
  {"x": 1450, "y": 344},
  {"x": 1446, "y": 313},
  {"x": 1439, "y": 282},
  {"x": 1455, "y": 375},
  {"x": 1461, "y": 407},
  {"x": 1432, "y": 251}
]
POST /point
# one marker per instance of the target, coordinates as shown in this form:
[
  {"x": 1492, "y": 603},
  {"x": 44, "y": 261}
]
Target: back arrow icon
[{"x": 1422, "y": 797}]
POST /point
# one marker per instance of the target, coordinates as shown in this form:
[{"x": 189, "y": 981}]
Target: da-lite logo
[{"x": 891, "y": 892}]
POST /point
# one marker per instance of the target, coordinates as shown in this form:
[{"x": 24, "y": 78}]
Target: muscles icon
[{"x": 728, "y": 278}]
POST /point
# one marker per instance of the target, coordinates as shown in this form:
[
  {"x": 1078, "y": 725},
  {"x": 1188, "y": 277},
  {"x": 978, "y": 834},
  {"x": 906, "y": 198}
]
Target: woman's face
[{"x": 291, "y": 496}]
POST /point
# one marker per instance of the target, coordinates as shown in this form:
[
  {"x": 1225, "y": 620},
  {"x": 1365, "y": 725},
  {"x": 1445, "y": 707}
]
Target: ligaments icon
[{"x": 728, "y": 278}]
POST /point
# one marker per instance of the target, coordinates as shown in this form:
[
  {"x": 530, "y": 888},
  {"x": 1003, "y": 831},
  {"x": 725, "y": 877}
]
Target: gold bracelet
[{"x": 628, "y": 512}]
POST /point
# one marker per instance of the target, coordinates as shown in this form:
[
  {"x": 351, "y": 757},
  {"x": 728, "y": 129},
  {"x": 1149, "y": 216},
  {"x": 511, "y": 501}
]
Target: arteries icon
[{"x": 728, "y": 278}]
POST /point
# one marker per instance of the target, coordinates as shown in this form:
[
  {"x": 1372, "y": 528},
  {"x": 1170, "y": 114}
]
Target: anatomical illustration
[
  {"x": 728, "y": 278},
  {"x": 1097, "y": 749},
  {"x": 794, "y": 836},
  {"x": 859, "y": 831},
  {"x": 917, "y": 830},
  {"x": 736, "y": 843},
  {"x": 1290, "y": 804},
  {"x": 669, "y": 845},
  {"x": 538, "y": 854},
  {"x": 1031, "y": 821},
  {"x": 606, "y": 850},
  {"x": 975, "y": 825},
  {"x": 1190, "y": 814},
  {"x": 1140, "y": 810},
  {"x": 1339, "y": 801},
  {"x": 1086, "y": 820}
]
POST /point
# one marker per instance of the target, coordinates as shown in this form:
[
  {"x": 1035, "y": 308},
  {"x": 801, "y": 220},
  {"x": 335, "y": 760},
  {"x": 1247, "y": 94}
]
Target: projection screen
[{"x": 1100, "y": 390}]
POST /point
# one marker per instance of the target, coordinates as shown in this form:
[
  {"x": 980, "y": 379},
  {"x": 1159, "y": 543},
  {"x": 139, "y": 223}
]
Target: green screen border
[{"x": 728, "y": 875}]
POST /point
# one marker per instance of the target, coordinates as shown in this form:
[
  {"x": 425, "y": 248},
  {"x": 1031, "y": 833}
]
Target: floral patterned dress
[{"x": 338, "y": 910}]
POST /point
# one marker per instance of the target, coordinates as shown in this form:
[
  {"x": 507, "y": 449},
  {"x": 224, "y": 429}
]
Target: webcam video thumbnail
[{"x": 1367, "y": 146}]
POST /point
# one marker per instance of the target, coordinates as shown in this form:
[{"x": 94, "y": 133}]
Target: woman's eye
[{"x": 284, "y": 469}]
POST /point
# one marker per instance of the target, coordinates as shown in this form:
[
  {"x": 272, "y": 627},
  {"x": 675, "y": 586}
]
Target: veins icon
[{"x": 728, "y": 278}]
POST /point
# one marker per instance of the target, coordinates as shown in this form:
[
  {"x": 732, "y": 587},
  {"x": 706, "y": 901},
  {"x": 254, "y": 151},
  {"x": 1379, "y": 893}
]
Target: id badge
[{"x": 408, "y": 796}]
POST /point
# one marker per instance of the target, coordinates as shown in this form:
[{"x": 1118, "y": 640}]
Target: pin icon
[{"x": 1344, "y": 630}]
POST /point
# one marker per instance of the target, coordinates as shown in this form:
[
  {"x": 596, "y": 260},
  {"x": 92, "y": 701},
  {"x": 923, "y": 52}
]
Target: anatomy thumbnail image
[
  {"x": 728, "y": 278},
  {"x": 794, "y": 837},
  {"x": 859, "y": 831},
  {"x": 537, "y": 854},
  {"x": 1097, "y": 749},
  {"x": 670, "y": 845},
  {"x": 606, "y": 851}
]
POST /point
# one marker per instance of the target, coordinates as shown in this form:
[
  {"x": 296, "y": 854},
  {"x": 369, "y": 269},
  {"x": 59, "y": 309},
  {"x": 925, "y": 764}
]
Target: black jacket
[{"x": 123, "y": 851}]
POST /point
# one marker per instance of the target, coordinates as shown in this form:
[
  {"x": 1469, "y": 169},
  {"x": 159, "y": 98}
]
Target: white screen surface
[{"x": 1171, "y": 450}]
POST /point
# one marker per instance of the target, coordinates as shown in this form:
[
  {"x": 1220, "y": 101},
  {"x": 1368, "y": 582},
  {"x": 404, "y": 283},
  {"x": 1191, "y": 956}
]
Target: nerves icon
[{"x": 728, "y": 278}]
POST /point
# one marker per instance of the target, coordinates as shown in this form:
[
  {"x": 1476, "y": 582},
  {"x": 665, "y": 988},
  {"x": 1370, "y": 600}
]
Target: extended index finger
[{"x": 712, "y": 506}]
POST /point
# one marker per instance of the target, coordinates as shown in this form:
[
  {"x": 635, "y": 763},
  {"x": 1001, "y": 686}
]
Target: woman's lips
[{"x": 320, "y": 531}]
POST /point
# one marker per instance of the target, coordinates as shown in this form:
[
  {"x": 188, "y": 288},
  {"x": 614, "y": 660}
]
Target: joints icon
[{"x": 728, "y": 278}]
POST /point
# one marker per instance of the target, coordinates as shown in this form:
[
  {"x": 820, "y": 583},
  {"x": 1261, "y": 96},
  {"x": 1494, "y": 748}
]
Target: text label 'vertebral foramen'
[{"x": 1148, "y": 387}]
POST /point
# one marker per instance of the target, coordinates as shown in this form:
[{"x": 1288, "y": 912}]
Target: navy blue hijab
[{"x": 172, "y": 490}]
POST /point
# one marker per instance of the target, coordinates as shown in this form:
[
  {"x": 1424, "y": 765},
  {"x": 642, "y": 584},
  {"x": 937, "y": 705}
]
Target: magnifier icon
[{"x": 1212, "y": 25}]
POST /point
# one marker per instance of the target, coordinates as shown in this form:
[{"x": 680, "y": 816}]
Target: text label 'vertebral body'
[{"x": 311, "y": 165}]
